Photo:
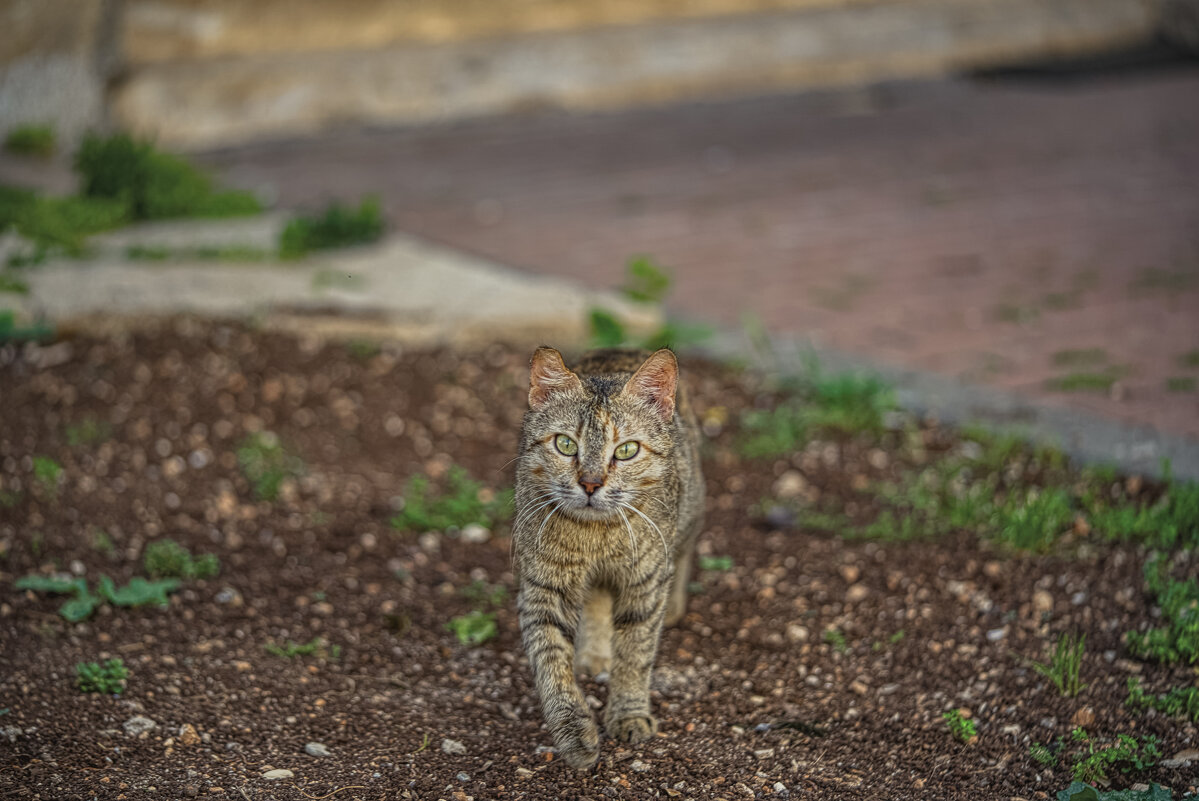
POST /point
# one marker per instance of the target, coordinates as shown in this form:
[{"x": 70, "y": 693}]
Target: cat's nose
[{"x": 591, "y": 483}]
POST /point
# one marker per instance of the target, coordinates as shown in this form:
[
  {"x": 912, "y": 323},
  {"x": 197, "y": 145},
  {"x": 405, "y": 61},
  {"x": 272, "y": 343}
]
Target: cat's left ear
[
  {"x": 548, "y": 376},
  {"x": 655, "y": 382}
]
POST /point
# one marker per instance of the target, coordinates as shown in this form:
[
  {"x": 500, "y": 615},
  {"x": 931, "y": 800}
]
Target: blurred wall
[{"x": 205, "y": 73}]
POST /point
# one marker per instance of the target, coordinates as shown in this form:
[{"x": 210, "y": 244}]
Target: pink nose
[{"x": 591, "y": 484}]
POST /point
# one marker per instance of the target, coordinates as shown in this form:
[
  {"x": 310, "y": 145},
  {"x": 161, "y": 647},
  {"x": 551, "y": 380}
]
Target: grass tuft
[
  {"x": 960, "y": 726},
  {"x": 339, "y": 226},
  {"x": 31, "y": 140},
  {"x": 169, "y": 559},
  {"x": 463, "y": 501},
  {"x": 266, "y": 465},
  {"x": 1177, "y": 639},
  {"x": 473, "y": 628},
  {"x": 1064, "y": 665}
]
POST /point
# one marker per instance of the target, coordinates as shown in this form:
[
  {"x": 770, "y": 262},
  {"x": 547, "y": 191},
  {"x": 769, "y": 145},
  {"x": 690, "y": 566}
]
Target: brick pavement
[{"x": 976, "y": 229}]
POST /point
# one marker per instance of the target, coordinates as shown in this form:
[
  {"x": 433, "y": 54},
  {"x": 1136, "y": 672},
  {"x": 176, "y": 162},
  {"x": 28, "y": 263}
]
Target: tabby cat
[{"x": 609, "y": 501}]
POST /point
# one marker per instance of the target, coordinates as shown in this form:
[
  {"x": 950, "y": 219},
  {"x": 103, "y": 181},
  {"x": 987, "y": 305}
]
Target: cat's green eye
[
  {"x": 626, "y": 450},
  {"x": 565, "y": 445}
]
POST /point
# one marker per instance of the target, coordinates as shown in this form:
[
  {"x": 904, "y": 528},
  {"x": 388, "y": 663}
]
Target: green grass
[
  {"x": 107, "y": 679},
  {"x": 1087, "y": 381},
  {"x": 102, "y": 543},
  {"x": 1178, "y": 279},
  {"x": 960, "y": 726},
  {"x": 88, "y": 431},
  {"x": 56, "y": 224},
  {"x": 1180, "y": 383},
  {"x": 222, "y": 253},
  {"x": 1173, "y": 521},
  {"x": 169, "y": 559},
  {"x": 645, "y": 282},
  {"x": 1175, "y": 702},
  {"x": 151, "y": 184},
  {"x": 842, "y": 403},
  {"x": 13, "y": 285},
  {"x": 1126, "y": 754},
  {"x": 836, "y": 638},
  {"x": 339, "y": 226},
  {"x": 483, "y": 594},
  {"x": 266, "y": 464},
  {"x": 314, "y": 647},
  {"x": 1065, "y": 662},
  {"x": 721, "y": 563},
  {"x": 1190, "y": 358},
  {"x": 10, "y": 331},
  {"x": 474, "y": 628},
  {"x": 47, "y": 473},
  {"x": 31, "y": 140},
  {"x": 1043, "y": 754},
  {"x": 1177, "y": 639},
  {"x": 463, "y": 501}
]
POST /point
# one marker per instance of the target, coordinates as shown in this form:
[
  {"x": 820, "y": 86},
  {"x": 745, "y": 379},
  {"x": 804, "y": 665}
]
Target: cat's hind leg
[{"x": 593, "y": 646}]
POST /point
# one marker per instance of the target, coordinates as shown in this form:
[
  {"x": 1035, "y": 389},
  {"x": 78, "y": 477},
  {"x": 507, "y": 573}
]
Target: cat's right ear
[{"x": 548, "y": 376}]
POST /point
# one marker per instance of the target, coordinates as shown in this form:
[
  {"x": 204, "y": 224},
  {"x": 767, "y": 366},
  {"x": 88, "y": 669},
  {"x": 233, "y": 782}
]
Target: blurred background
[{"x": 1001, "y": 191}]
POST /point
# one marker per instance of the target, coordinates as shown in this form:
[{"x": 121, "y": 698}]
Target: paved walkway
[{"x": 1008, "y": 233}]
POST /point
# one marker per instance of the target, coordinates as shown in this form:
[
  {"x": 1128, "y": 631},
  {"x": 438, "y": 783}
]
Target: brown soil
[{"x": 753, "y": 701}]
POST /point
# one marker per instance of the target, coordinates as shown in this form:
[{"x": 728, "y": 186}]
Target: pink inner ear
[
  {"x": 655, "y": 382},
  {"x": 548, "y": 376}
]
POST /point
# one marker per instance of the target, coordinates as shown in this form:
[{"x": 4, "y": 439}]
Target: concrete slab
[{"x": 217, "y": 101}]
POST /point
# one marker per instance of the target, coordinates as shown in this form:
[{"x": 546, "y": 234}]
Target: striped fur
[{"x": 601, "y": 573}]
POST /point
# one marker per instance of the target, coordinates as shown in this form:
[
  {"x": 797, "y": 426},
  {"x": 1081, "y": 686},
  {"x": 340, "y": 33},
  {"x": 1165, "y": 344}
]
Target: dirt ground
[{"x": 754, "y": 700}]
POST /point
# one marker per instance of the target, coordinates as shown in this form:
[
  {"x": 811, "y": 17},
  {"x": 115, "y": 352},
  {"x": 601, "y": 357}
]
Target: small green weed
[
  {"x": 11, "y": 332},
  {"x": 846, "y": 403},
  {"x": 1064, "y": 664},
  {"x": 55, "y": 224},
  {"x": 266, "y": 465},
  {"x": 836, "y": 638},
  {"x": 1190, "y": 358},
  {"x": 1034, "y": 522},
  {"x": 31, "y": 140},
  {"x": 1081, "y": 791},
  {"x": 107, "y": 679},
  {"x": 315, "y": 647},
  {"x": 88, "y": 431},
  {"x": 102, "y": 543},
  {"x": 151, "y": 184},
  {"x": 1045, "y": 755},
  {"x": 47, "y": 473},
  {"x": 339, "y": 226},
  {"x": 1177, "y": 640},
  {"x": 645, "y": 282},
  {"x": 169, "y": 559},
  {"x": 11, "y": 284},
  {"x": 463, "y": 502},
  {"x": 481, "y": 593},
  {"x": 1176, "y": 702},
  {"x": 960, "y": 726},
  {"x": 1180, "y": 383},
  {"x": 138, "y": 592},
  {"x": 722, "y": 563},
  {"x": 473, "y": 628},
  {"x": 1179, "y": 279},
  {"x": 1126, "y": 754}
]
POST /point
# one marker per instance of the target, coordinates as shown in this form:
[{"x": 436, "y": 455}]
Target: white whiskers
[{"x": 635, "y": 510}]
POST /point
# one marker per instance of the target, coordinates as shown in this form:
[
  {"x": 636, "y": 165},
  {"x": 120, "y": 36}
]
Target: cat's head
[{"x": 598, "y": 443}]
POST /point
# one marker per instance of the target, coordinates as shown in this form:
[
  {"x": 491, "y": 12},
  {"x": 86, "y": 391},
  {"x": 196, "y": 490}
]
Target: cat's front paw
[
  {"x": 632, "y": 729},
  {"x": 580, "y": 749}
]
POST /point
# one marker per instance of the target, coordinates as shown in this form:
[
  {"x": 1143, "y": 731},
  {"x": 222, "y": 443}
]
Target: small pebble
[
  {"x": 317, "y": 750},
  {"x": 995, "y": 635},
  {"x": 452, "y": 747},
  {"x": 137, "y": 725},
  {"x": 278, "y": 773},
  {"x": 463, "y": 777},
  {"x": 639, "y": 766}
]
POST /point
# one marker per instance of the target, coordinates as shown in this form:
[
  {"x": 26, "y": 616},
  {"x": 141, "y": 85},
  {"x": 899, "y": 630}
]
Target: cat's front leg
[
  {"x": 637, "y": 622},
  {"x": 549, "y": 619}
]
